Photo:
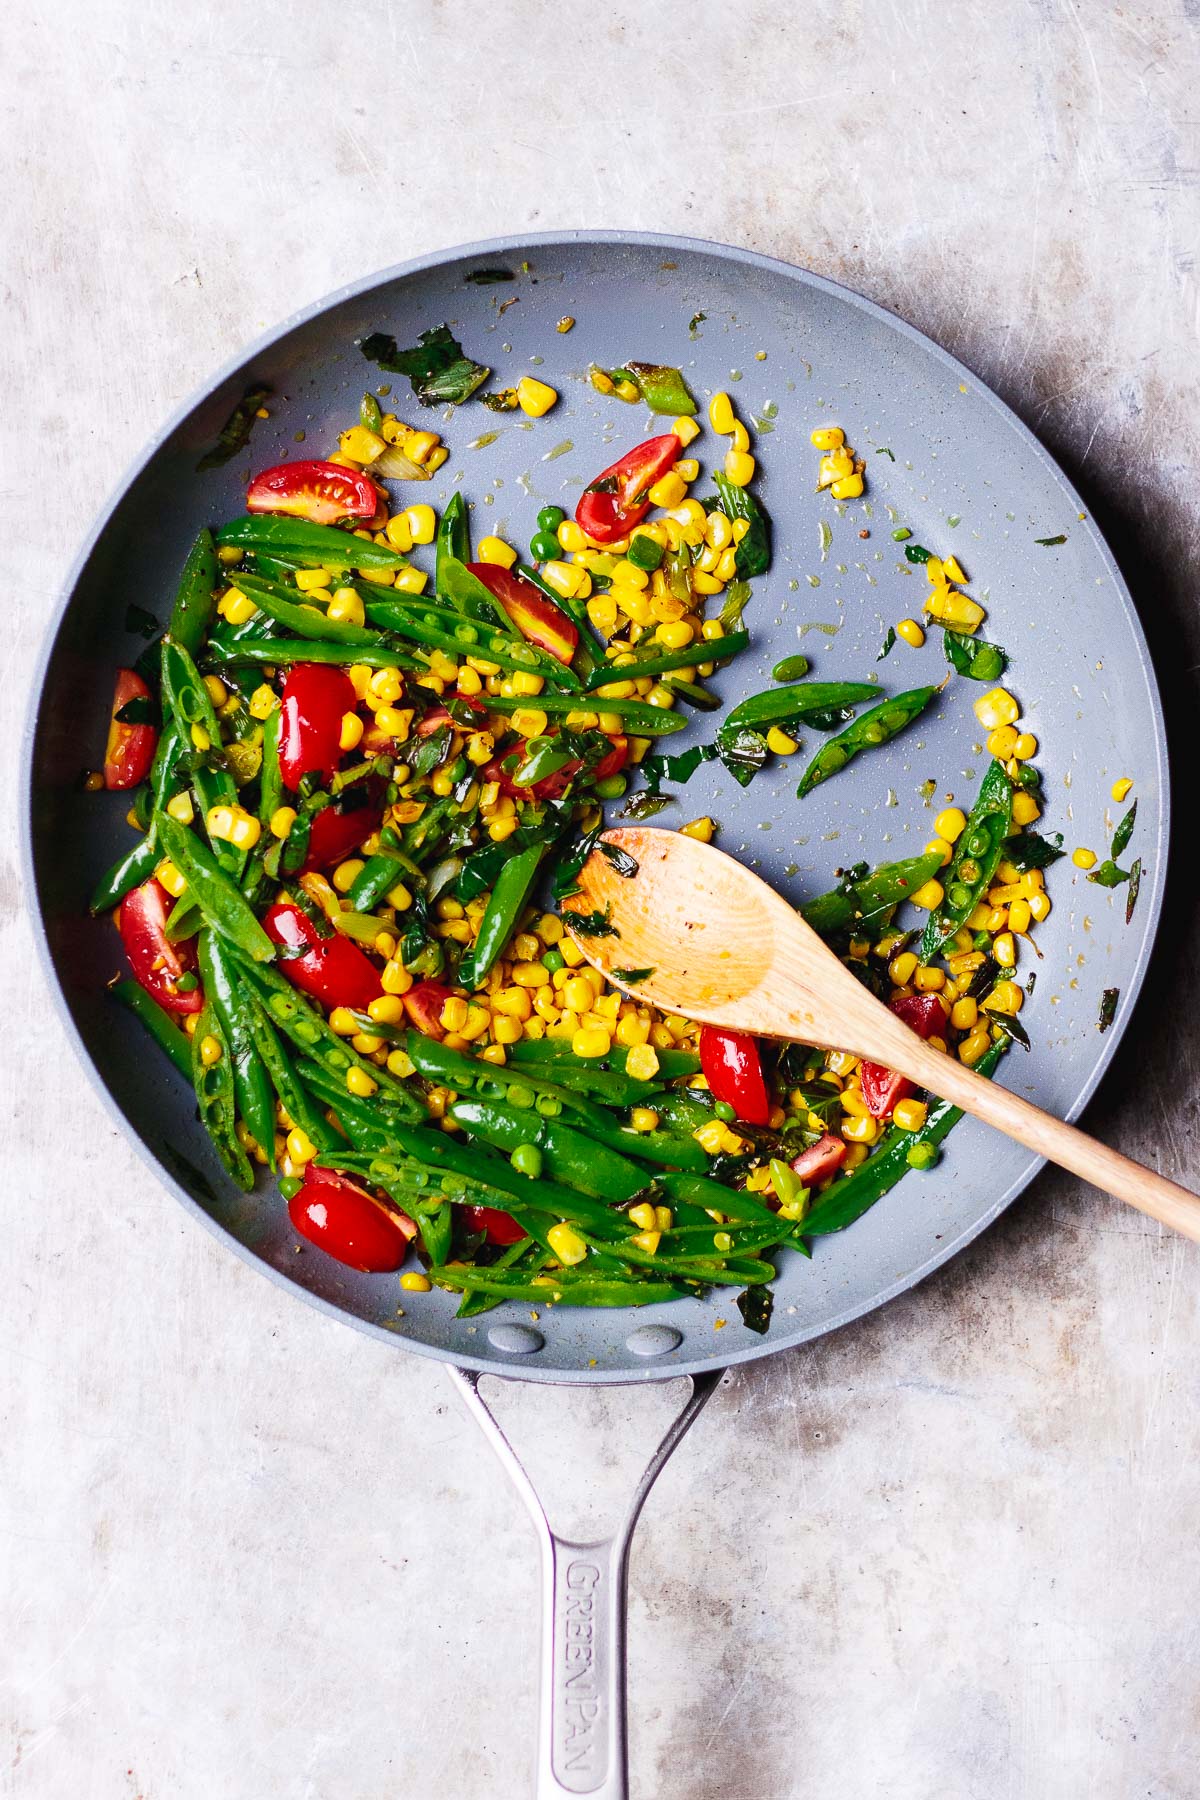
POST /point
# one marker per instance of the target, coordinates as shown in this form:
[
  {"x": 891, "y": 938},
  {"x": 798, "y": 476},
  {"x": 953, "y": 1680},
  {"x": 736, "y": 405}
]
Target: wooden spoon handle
[{"x": 1040, "y": 1131}]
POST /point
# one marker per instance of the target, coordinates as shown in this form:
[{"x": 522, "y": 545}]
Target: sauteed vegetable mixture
[{"x": 365, "y": 763}]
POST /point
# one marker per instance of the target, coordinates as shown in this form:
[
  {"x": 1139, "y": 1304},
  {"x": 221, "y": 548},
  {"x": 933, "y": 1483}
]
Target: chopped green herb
[
  {"x": 695, "y": 320},
  {"x": 900, "y": 534},
  {"x": 1107, "y": 875},
  {"x": 1060, "y": 539},
  {"x": 884, "y": 451},
  {"x": 1124, "y": 831},
  {"x": 736, "y": 596},
  {"x": 593, "y": 924},
  {"x": 973, "y": 657},
  {"x": 889, "y": 644},
  {"x": 755, "y": 1305},
  {"x": 436, "y": 366},
  {"x": 486, "y": 277},
  {"x": 1108, "y": 1007},
  {"x": 917, "y": 553},
  {"x": 632, "y": 976},
  {"x": 1135, "y": 887},
  {"x": 622, "y": 862},
  {"x": 1029, "y": 851}
]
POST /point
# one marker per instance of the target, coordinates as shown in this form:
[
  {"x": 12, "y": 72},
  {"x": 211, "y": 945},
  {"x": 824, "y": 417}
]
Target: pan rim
[{"x": 680, "y": 1363}]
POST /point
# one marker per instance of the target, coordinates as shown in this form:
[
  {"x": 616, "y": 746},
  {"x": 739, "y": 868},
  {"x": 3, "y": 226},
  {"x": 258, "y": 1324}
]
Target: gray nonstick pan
[{"x": 943, "y": 455}]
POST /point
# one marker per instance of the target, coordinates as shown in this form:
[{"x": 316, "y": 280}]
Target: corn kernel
[
  {"x": 411, "y": 580},
  {"x": 591, "y": 1040},
  {"x": 1121, "y": 788},
  {"x": 351, "y": 733},
  {"x": 566, "y": 1244},
  {"x": 685, "y": 429},
  {"x": 973, "y": 1047},
  {"x": 398, "y": 533},
  {"x": 951, "y": 824},
  {"x": 421, "y": 521},
  {"x": 963, "y": 1014},
  {"x": 668, "y": 490},
  {"x": 948, "y": 607},
  {"x": 495, "y": 550},
  {"x": 642, "y": 1118},
  {"x": 1001, "y": 742},
  {"x": 1004, "y": 949},
  {"x": 535, "y": 397},
  {"x": 928, "y": 896},
  {"x": 415, "y": 1282},
  {"x": 720, "y": 414},
  {"x": 740, "y": 465},
  {"x": 642, "y": 1062},
  {"x": 929, "y": 981},
  {"x": 910, "y": 1115},
  {"x": 781, "y": 742},
  {"x": 236, "y": 607},
  {"x": 647, "y": 1241},
  {"x": 939, "y": 847},
  {"x": 210, "y": 1051},
  {"x": 1025, "y": 747},
  {"x": 383, "y": 686},
  {"x": 361, "y": 445},
  {"x": 827, "y": 437},
  {"x": 847, "y": 487},
  {"x": 563, "y": 577},
  {"x": 1084, "y": 859},
  {"x": 180, "y": 807},
  {"x": 300, "y": 1146},
  {"x": 902, "y": 968},
  {"x": 395, "y": 978},
  {"x": 861, "y": 1130},
  {"x": 996, "y": 707},
  {"x": 360, "y": 1083},
  {"x": 910, "y": 633}
]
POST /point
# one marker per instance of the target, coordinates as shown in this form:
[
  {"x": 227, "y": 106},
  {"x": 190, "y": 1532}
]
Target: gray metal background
[{"x": 1080, "y": 668}]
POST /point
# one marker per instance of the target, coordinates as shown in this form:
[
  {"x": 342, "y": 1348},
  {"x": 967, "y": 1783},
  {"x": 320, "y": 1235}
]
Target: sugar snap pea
[
  {"x": 222, "y": 903},
  {"x": 310, "y": 1031},
  {"x": 302, "y": 621},
  {"x": 268, "y": 651},
  {"x": 195, "y": 599},
  {"x": 285, "y": 1079},
  {"x": 312, "y": 546},
  {"x": 213, "y": 1082},
  {"x": 191, "y": 707},
  {"x": 705, "y": 650},
  {"x": 571, "y": 1157},
  {"x": 158, "y": 1023},
  {"x": 429, "y": 625},
  {"x": 562, "y": 1287},
  {"x": 234, "y": 1008},
  {"x": 878, "y": 726},
  {"x": 775, "y": 706},
  {"x": 976, "y": 858},
  {"x": 505, "y": 906},
  {"x": 453, "y": 537},
  {"x": 138, "y": 864},
  {"x": 862, "y": 903},
  {"x": 635, "y": 715}
]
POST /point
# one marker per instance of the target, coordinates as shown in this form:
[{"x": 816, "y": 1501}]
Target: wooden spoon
[{"x": 723, "y": 948}]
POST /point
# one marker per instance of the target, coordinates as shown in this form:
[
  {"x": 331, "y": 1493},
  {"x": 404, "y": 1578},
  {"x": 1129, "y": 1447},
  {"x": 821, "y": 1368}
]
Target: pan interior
[{"x": 943, "y": 456}]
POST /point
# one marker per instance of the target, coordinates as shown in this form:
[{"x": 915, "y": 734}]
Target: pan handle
[{"x": 581, "y": 1730}]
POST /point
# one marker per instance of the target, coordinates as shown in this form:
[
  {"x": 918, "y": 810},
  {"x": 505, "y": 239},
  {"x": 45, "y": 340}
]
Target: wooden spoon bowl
[{"x": 708, "y": 939}]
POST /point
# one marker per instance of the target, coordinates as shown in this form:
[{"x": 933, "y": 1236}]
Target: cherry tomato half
[
  {"x": 320, "y": 491},
  {"x": 882, "y": 1087},
  {"x": 620, "y": 496},
  {"x": 497, "y": 1227},
  {"x": 130, "y": 748},
  {"x": 156, "y": 962},
  {"x": 820, "y": 1160},
  {"x": 423, "y": 1003},
  {"x": 336, "y": 833},
  {"x": 348, "y": 1223},
  {"x": 332, "y": 970},
  {"x": 534, "y": 616},
  {"x": 733, "y": 1069},
  {"x": 316, "y": 696}
]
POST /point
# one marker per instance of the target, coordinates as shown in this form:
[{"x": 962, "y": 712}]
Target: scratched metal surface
[{"x": 964, "y": 1498}]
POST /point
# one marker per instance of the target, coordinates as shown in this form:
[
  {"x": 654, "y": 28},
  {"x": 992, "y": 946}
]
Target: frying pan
[{"x": 946, "y": 458}]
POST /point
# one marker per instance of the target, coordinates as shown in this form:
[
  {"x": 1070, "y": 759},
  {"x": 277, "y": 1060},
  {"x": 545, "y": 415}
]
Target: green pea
[
  {"x": 553, "y": 960},
  {"x": 922, "y": 1156},
  {"x": 792, "y": 668},
  {"x": 526, "y": 1159},
  {"x": 550, "y": 518},
  {"x": 187, "y": 983},
  {"x": 978, "y": 844},
  {"x": 611, "y": 788},
  {"x": 958, "y": 896},
  {"x": 724, "y": 1111},
  {"x": 289, "y": 1186},
  {"x": 520, "y": 1095},
  {"x": 901, "y": 532},
  {"x": 1028, "y": 776},
  {"x": 543, "y": 546}
]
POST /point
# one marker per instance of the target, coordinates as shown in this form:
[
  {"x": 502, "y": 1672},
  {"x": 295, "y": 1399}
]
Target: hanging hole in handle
[{"x": 584, "y": 1449}]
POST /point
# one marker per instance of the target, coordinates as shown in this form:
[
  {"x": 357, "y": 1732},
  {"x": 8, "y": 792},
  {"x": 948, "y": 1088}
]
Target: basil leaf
[
  {"x": 234, "y": 434},
  {"x": 436, "y": 366}
]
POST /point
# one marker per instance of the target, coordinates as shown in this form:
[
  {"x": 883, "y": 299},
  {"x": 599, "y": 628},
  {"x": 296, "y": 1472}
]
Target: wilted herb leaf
[
  {"x": 436, "y": 366},
  {"x": 234, "y": 434}
]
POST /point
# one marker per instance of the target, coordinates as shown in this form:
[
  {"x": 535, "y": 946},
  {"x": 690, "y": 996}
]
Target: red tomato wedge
[
  {"x": 551, "y": 787},
  {"x": 320, "y": 491},
  {"x": 423, "y": 1003},
  {"x": 332, "y": 970},
  {"x": 820, "y": 1160},
  {"x": 336, "y": 834},
  {"x": 733, "y": 1069},
  {"x": 534, "y": 616},
  {"x": 619, "y": 498},
  {"x": 348, "y": 1223},
  {"x": 882, "y": 1087},
  {"x": 497, "y": 1227},
  {"x": 156, "y": 962},
  {"x": 130, "y": 748},
  {"x": 316, "y": 696}
]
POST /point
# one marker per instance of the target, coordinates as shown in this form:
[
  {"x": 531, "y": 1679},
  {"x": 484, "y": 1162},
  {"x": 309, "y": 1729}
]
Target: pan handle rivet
[
  {"x": 653, "y": 1340},
  {"x": 516, "y": 1340}
]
